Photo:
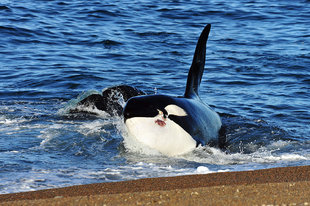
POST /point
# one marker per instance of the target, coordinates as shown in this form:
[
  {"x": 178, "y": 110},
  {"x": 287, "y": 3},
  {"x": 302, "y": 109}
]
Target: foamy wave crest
[
  {"x": 265, "y": 154},
  {"x": 73, "y": 105},
  {"x": 48, "y": 134},
  {"x": 10, "y": 121}
]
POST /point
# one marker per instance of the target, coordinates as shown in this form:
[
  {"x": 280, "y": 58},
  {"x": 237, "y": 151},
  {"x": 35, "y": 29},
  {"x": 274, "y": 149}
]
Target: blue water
[{"x": 257, "y": 77}]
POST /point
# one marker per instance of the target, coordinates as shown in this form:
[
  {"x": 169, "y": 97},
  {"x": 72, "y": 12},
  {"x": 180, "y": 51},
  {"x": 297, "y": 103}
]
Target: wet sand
[{"x": 277, "y": 186}]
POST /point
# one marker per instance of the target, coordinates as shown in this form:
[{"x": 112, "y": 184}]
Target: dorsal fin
[{"x": 196, "y": 71}]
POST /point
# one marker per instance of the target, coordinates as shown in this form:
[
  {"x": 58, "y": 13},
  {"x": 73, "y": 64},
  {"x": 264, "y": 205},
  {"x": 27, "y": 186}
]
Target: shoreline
[{"x": 275, "y": 185}]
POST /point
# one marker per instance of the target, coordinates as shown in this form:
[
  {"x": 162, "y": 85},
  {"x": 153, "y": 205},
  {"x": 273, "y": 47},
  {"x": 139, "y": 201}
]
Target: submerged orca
[
  {"x": 109, "y": 101},
  {"x": 176, "y": 125}
]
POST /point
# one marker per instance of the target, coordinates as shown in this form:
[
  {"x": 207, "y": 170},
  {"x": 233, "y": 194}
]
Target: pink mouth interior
[{"x": 160, "y": 122}]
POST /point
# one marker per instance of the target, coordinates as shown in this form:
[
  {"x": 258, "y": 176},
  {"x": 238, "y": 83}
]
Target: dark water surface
[{"x": 257, "y": 76}]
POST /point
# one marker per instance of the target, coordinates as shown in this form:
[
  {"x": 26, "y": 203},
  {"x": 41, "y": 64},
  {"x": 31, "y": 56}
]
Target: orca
[
  {"x": 176, "y": 125},
  {"x": 110, "y": 101}
]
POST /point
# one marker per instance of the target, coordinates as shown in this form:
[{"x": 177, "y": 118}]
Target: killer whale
[
  {"x": 108, "y": 101},
  {"x": 176, "y": 125}
]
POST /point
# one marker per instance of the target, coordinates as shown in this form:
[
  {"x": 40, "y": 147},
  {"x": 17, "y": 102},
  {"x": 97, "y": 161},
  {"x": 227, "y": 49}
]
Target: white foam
[
  {"x": 94, "y": 127},
  {"x": 203, "y": 170},
  {"x": 94, "y": 110},
  {"x": 12, "y": 126},
  {"x": 49, "y": 133},
  {"x": 9, "y": 121},
  {"x": 72, "y": 104},
  {"x": 285, "y": 157},
  {"x": 268, "y": 154}
]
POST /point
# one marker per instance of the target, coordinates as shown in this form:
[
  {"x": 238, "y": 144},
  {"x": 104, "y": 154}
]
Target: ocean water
[{"x": 53, "y": 53}]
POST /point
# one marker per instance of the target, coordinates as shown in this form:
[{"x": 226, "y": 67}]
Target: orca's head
[{"x": 156, "y": 121}]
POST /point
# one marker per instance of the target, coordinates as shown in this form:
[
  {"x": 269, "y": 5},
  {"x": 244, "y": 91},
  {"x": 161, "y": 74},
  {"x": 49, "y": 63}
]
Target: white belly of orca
[{"x": 168, "y": 138}]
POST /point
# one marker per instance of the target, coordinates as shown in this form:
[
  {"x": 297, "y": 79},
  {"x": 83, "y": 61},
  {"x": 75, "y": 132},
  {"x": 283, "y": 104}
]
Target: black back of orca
[{"x": 108, "y": 101}]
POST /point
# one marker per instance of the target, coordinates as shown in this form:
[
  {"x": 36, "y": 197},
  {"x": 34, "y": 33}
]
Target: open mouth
[{"x": 160, "y": 122}]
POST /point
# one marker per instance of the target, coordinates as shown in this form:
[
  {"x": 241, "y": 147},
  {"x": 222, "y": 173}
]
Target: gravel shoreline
[{"x": 276, "y": 186}]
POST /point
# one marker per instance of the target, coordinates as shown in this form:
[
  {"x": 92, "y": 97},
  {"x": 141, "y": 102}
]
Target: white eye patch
[{"x": 175, "y": 110}]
